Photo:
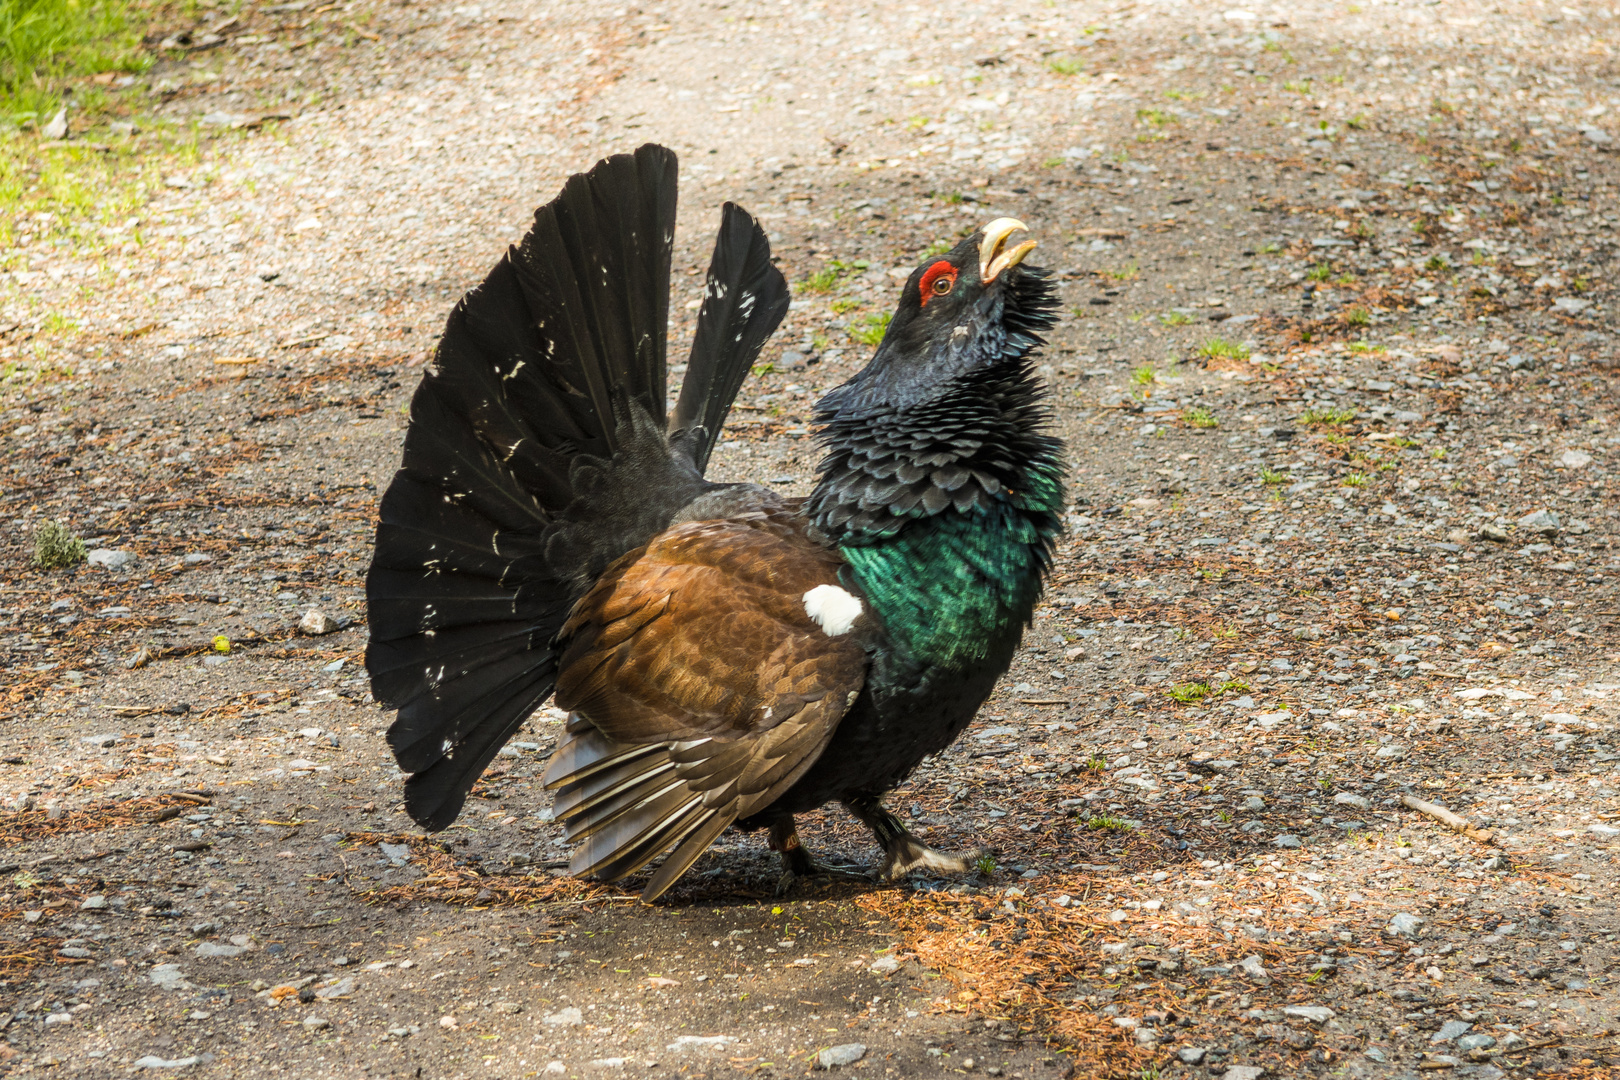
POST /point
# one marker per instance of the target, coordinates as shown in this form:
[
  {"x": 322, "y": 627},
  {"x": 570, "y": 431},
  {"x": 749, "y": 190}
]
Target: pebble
[
  {"x": 151, "y": 1061},
  {"x": 1406, "y": 925},
  {"x": 57, "y": 126},
  {"x": 1451, "y": 1029},
  {"x": 214, "y": 948},
  {"x": 317, "y": 624},
  {"x": 565, "y": 1017},
  {"x": 834, "y": 1056},
  {"x": 316, "y": 1023},
  {"x": 342, "y": 988},
  {"x": 1190, "y": 1055},
  {"x": 1244, "y": 1072},
  {"x": 93, "y": 903},
  {"x": 1345, "y": 798},
  {"x": 1542, "y": 523},
  {"x": 1316, "y": 1014},
  {"x": 111, "y": 558},
  {"x": 109, "y": 739},
  {"x": 1254, "y": 969},
  {"x": 1575, "y": 459},
  {"x": 884, "y": 965},
  {"x": 1287, "y": 841},
  {"x": 1480, "y": 1041}
]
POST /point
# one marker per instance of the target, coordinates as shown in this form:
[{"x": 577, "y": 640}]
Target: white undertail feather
[{"x": 833, "y": 609}]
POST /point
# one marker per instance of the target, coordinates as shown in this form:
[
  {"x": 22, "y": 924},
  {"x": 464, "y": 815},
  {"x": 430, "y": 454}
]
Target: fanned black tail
[
  {"x": 744, "y": 300},
  {"x": 537, "y": 453}
]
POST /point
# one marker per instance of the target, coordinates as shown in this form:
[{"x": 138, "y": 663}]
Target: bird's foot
[
  {"x": 797, "y": 865},
  {"x": 908, "y": 855},
  {"x": 903, "y": 853}
]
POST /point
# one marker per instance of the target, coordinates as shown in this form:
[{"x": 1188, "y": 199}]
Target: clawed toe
[{"x": 910, "y": 856}]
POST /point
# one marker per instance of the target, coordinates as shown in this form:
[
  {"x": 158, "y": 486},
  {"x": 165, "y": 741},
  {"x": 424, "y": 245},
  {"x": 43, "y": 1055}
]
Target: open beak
[{"x": 994, "y": 256}]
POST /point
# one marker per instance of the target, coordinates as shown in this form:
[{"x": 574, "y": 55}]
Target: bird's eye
[{"x": 937, "y": 280}]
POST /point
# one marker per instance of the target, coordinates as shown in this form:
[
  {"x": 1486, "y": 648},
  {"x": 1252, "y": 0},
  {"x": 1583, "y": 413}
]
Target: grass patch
[
  {"x": 1201, "y": 418},
  {"x": 1271, "y": 477},
  {"x": 55, "y": 546},
  {"x": 1221, "y": 349},
  {"x": 45, "y": 43},
  {"x": 1319, "y": 272},
  {"x": 1354, "y": 480},
  {"x": 1129, "y": 272},
  {"x": 1326, "y": 416},
  {"x": 1108, "y": 823},
  {"x": 1175, "y": 318},
  {"x": 1358, "y": 316},
  {"x": 1156, "y": 118},
  {"x": 1365, "y": 347},
  {"x": 822, "y": 281},
  {"x": 1144, "y": 375},
  {"x": 870, "y": 330},
  {"x": 1064, "y": 65}
]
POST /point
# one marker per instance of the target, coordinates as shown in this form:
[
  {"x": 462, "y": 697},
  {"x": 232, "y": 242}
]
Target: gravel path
[{"x": 1339, "y": 384}]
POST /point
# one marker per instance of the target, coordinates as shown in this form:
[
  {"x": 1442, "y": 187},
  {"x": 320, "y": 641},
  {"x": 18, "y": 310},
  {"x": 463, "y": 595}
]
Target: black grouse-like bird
[{"x": 728, "y": 656}]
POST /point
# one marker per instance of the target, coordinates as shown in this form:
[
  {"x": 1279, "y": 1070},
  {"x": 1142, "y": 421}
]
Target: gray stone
[
  {"x": 1406, "y": 925},
  {"x": 1190, "y": 1055},
  {"x": 74, "y": 952},
  {"x": 93, "y": 903},
  {"x": 1513, "y": 1041},
  {"x": 397, "y": 854},
  {"x": 1345, "y": 798},
  {"x": 1316, "y": 1014},
  {"x": 111, "y": 558},
  {"x": 109, "y": 739},
  {"x": 152, "y": 1061},
  {"x": 1542, "y": 523},
  {"x": 316, "y": 1023},
  {"x": 1287, "y": 842},
  {"x": 1254, "y": 802},
  {"x": 1480, "y": 1041},
  {"x": 1244, "y": 1072},
  {"x": 884, "y": 965},
  {"x": 1254, "y": 970},
  {"x": 1373, "y": 1053},
  {"x": 317, "y": 624},
  {"x": 846, "y": 1054},
  {"x": 1451, "y": 1029},
  {"x": 57, "y": 126},
  {"x": 214, "y": 948},
  {"x": 568, "y": 1017},
  {"x": 1575, "y": 459},
  {"x": 341, "y": 988},
  {"x": 196, "y": 558},
  {"x": 168, "y": 977}
]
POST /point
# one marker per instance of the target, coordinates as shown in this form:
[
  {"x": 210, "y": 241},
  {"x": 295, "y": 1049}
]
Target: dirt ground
[{"x": 1339, "y": 382}]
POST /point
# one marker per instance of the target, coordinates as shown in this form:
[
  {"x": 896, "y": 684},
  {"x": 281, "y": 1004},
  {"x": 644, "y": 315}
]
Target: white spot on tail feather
[{"x": 833, "y": 609}]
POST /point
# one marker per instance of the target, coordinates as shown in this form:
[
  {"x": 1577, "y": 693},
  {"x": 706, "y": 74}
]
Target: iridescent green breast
[{"x": 950, "y": 588}]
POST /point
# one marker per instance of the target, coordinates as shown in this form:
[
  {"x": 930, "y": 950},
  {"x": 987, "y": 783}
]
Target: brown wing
[{"x": 702, "y": 688}]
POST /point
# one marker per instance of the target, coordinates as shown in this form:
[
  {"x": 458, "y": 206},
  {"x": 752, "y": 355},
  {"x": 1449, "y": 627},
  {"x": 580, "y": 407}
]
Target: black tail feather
[
  {"x": 548, "y": 386},
  {"x": 744, "y": 300}
]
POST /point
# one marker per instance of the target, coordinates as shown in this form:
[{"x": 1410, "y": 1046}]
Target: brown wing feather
[{"x": 702, "y": 689}]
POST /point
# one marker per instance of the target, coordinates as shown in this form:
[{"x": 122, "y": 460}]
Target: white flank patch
[{"x": 833, "y": 609}]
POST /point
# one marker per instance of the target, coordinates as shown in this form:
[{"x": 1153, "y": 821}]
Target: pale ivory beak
[{"x": 992, "y": 259}]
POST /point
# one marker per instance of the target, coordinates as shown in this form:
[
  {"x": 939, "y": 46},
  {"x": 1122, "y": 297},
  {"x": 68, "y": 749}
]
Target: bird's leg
[
  {"x": 796, "y": 861},
  {"x": 903, "y": 853}
]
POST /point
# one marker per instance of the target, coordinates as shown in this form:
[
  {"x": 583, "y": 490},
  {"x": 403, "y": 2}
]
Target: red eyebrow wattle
[{"x": 932, "y": 274}]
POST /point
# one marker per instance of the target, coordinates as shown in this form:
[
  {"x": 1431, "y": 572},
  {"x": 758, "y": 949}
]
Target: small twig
[{"x": 1447, "y": 818}]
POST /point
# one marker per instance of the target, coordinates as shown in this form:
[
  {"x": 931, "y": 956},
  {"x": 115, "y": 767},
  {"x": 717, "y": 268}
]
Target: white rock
[
  {"x": 1254, "y": 969},
  {"x": 565, "y": 1017},
  {"x": 884, "y": 965},
  {"x": 151, "y": 1061},
  {"x": 834, "y": 1056},
  {"x": 1316, "y": 1014},
  {"x": 1603, "y": 830},
  {"x": 57, "y": 126},
  {"x": 683, "y": 1042},
  {"x": 1345, "y": 798},
  {"x": 1575, "y": 459},
  {"x": 111, "y": 558},
  {"x": 1405, "y": 925},
  {"x": 317, "y": 623}
]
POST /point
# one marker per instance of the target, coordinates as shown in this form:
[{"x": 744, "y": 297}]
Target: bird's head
[{"x": 974, "y": 307}]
